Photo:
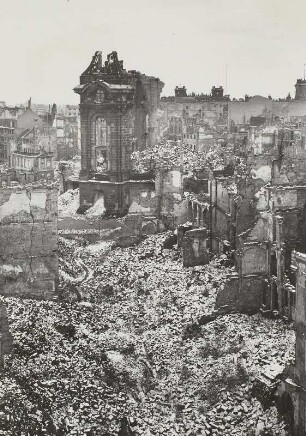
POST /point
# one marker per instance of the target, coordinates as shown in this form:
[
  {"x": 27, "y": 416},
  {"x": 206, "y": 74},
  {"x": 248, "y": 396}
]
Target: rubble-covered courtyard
[{"x": 135, "y": 335}]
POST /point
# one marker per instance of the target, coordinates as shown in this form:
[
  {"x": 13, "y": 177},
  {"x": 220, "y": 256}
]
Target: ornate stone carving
[
  {"x": 99, "y": 97},
  {"x": 95, "y": 65},
  {"x": 113, "y": 65},
  {"x": 94, "y": 96}
]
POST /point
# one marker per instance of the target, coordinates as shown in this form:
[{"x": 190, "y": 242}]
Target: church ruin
[{"x": 118, "y": 110}]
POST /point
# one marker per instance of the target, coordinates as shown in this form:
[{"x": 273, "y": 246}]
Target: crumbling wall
[
  {"x": 246, "y": 211},
  {"x": 290, "y": 167},
  {"x": 233, "y": 210},
  {"x": 170, "y": 204},
  {"x": 221, "y": 207},
  {"x": 244, "y": 288},
  {"x": 261, "y": 166},
  {"x": 194, "y": 247},
  {"x": 254, "y": 259},
  {"x": 143, "y": 198},
  {"x": 220, "y": 225},
  {"x": 28, "y": 242},
  {"x": 242, "y": 294},
  {"x": 292, "y": 389},
  {"x": 6, "y": 339},
  {"x": 261, "y": 229},
  {"x": 290, "y": 203},
  {"x": 152, "y": 89},
  {"x": 134, "y": 227},
  {"x": 240, "y": 112}
]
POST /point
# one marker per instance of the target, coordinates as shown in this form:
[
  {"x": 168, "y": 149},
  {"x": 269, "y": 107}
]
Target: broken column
[{"x": 194, "y": 247}]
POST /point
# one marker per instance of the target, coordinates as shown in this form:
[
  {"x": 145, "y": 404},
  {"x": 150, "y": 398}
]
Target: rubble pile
[
  {"x": 70, "y": 266},
  {"x": 97, "y": 210},
  {"x": 167, "y": 155},
  {"x": 70, "y": 169},
  {"x": 68, "y": 204},
  {"x": 145, "y": 343}
]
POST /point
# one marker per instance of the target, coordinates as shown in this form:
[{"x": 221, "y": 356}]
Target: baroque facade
[{"x": 118, "y": 111}]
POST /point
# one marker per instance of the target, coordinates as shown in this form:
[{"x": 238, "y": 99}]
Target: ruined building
[
  {"x": 31, "y": 149},
  {"x": 189, "y": 118},
  {"x": 67, "y": 136},
  {"x": 118, "y": 111},
  {"x": 28, "y": 242},
  {"x": 8, "y": 126},
  {"x": 260, "y": 213},
  {"x": 292, "y": 390},
  {"x": 217, "y": 109}
]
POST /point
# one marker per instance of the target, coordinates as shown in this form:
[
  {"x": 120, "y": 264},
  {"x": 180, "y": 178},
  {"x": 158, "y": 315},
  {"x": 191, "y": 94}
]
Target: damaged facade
[
  {"x": 118, "y": 112},
  {"x": 258, "y": 214},
  {"x": 32, "y": 149},
  {"x": 158, "y": 207},
  {"x": 28, "y": 242},
  {"x": 195, "y": 120},
  {"x": 292, "y": 389}
]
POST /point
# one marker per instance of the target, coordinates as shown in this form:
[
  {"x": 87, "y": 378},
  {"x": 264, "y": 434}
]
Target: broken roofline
[{"x": 112, "y": 67}]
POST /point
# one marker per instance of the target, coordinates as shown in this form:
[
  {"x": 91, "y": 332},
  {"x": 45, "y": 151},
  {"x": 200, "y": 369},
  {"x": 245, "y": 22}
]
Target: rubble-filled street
[{"x": 136, "y": 335}]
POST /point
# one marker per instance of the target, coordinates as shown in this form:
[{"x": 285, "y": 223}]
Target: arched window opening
[{"x": 101, "y": 145}]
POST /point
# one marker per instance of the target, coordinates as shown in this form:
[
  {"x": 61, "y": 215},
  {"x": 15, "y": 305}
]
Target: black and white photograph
[{"x": 153, "y": 218}]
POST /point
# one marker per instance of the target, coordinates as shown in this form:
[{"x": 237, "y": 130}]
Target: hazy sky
[{"x": 47, "y": 44}]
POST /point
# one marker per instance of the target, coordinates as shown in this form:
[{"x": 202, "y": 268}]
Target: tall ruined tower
[{"x": 118, "y": 111}]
